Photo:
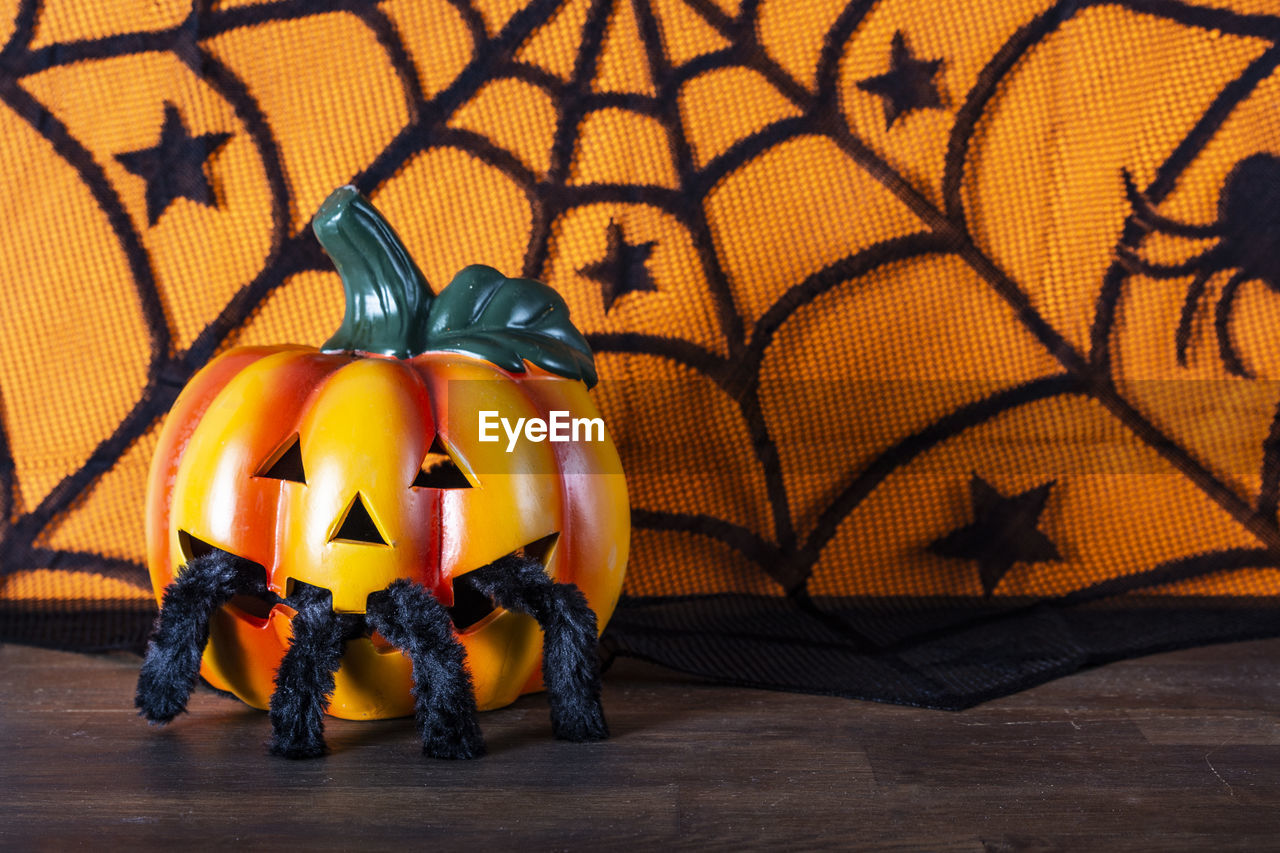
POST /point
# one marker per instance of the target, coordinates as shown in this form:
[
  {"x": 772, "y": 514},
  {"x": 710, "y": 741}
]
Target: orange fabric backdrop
[{"x": 844, "y": 264}]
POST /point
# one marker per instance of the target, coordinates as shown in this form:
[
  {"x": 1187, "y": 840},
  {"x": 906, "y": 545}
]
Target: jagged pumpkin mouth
[
  {"x": 471, "y": 607},
  {"x": 471, "y": 610}
]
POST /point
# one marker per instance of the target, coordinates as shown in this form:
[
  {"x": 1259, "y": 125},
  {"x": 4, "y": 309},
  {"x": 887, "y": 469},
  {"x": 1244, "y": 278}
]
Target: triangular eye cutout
[
  {"x": 358, "y": 526},
  {"x": 285, "y": 464},
  {"x": 439, "y": 471}
]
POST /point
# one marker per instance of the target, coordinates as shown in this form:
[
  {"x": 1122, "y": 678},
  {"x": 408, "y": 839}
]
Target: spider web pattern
[{"x": 805, "y": 561}]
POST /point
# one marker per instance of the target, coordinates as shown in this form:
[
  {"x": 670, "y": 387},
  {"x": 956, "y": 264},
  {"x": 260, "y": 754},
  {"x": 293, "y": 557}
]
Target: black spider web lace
[{"x": 916, "y": 651}]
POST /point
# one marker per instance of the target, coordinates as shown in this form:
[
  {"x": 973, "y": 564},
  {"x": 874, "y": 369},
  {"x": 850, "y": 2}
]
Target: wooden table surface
[{"x": 1173, "y": 752}]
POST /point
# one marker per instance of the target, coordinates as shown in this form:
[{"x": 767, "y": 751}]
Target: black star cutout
[
  {"x": 907, "y": 85},
  {"x": 175, "y": 166},
  {"x": 1003, "y": 532},
  {"x": 622, "y": 270}
]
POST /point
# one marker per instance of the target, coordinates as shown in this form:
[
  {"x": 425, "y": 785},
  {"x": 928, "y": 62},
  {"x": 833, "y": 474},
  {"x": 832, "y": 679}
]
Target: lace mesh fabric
[{"x": 926, "y": 389}]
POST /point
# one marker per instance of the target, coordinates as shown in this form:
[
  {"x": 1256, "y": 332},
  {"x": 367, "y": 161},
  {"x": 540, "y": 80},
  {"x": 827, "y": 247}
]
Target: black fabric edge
[
  {"x": 81, "y": 626},
  {"x": 756, "y": 641}
]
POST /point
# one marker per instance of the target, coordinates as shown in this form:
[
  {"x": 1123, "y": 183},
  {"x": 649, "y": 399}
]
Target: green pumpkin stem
[{"x": 388, "y": 297}]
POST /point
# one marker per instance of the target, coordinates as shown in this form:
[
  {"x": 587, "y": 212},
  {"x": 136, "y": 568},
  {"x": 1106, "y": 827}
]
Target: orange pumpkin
[{"x": 363, "y": 462}]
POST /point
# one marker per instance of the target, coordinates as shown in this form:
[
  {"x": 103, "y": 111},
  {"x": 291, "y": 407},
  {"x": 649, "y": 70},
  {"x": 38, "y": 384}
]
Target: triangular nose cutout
[{"x": 358, "y": 526}]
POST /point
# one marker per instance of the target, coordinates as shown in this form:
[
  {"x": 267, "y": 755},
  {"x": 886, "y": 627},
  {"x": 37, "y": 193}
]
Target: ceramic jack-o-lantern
[{"x": 360, "y": 530}]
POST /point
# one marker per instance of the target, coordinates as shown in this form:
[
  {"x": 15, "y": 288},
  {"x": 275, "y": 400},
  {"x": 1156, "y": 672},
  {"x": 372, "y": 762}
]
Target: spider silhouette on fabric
[{"x": 1248, "y": 241}]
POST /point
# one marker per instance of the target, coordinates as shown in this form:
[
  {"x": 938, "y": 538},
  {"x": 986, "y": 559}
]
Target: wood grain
[{"x": 1173, "y": 752}]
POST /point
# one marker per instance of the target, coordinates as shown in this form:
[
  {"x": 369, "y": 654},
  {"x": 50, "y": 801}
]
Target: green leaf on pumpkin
[
  {"x": 391, "y": 311},
  {"x": 508, "y": 321}
]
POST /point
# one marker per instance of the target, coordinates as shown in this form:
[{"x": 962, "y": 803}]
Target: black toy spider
[
  {"x": 408, "y": 616},
  {"x": 1248, "y": 235}
]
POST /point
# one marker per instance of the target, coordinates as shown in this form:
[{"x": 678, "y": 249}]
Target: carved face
[{"x": 347, "y": 471}]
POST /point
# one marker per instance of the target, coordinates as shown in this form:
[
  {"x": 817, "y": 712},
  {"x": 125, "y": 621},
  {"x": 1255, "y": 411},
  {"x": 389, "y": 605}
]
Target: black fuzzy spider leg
[
  {"x": 570, "y": 668},
  {"x": 181, "y": 632},
  {"x": 412, "y": 620},
  {"x": 1208, "y": 259},
  {"x": 1222, "y": 325},
  {"x": 305, "y": 679},
  {"x": 1146, "y": 215},
  {"x": 1194, "y": 292}
]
